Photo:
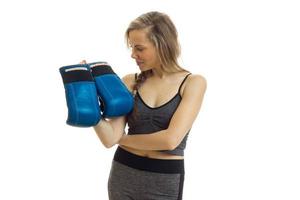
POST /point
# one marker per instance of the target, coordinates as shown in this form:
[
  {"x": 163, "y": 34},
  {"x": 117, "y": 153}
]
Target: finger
[{"x": 83, "y": 62}]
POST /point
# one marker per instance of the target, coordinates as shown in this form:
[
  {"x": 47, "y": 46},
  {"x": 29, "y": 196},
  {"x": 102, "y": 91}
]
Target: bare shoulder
[
  {"x": 129, "y": 81},
  {"x": 195, "y": 84},
  {"x": 196, "y": 79}
]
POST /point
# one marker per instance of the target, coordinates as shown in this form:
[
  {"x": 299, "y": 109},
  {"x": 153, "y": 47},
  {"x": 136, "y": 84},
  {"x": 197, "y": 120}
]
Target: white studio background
[{"x": 244, "y": 145}]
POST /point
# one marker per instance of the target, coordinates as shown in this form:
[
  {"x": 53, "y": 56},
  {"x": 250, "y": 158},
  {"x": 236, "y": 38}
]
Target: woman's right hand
[{"x": 83, "y": 62}]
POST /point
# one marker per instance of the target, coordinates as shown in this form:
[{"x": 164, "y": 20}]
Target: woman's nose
[{"x": 133, "y": 54}]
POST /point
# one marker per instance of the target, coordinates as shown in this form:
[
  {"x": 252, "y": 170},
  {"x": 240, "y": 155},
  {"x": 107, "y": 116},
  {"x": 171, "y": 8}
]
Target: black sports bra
[{"x": 148, "y": 119}]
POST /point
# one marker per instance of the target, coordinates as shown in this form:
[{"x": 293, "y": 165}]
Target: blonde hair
[
  {"x": 163, "y": 34},
  {"x": 161, "y": 31}
]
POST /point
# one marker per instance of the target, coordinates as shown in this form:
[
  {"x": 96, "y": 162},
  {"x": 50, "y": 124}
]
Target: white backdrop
[{"x": 244, "y": 145}]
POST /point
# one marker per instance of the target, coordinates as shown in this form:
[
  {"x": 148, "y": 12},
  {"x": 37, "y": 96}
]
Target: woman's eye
[{"x": 139, "y": 49}]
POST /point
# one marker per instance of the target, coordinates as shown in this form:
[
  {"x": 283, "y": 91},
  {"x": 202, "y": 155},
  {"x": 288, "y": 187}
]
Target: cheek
[
  {"x": 149, "y": 56},
  {"x": 146, "y": 57}
]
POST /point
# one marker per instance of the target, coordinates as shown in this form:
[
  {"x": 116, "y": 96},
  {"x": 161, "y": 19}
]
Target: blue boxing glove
[
  {"x": 81, "y": 95},
  {"x": 115, "y": 97}
]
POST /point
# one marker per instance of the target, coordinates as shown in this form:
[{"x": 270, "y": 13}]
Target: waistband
[{"x": 168, "y": 166}]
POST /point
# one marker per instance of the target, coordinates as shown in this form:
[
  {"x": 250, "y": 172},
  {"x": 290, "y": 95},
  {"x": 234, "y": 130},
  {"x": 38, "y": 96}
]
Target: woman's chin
[{"x": 143, "y": 67}]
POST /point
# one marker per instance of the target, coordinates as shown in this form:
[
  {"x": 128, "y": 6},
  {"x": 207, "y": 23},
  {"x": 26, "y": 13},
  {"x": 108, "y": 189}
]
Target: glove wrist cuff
[{"x": 102, "y": 69}]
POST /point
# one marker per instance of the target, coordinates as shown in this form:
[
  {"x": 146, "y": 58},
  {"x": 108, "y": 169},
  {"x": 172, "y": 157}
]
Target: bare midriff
[{"x": 152, "y": 154}]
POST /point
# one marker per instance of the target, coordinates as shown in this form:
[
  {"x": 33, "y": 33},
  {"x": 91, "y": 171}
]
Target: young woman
[{"x": 149, "y": 161}]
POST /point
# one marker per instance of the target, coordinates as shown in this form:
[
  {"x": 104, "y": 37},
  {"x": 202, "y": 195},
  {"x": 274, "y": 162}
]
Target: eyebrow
[{"x": 138, "y": 45}]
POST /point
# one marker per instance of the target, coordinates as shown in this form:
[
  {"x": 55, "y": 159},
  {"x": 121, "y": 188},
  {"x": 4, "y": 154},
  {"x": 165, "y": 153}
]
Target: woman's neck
[{"x": 159, "y": 73}]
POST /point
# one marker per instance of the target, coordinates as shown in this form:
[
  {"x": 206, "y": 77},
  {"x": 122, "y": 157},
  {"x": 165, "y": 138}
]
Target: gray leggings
[{"x": 134, "y": 177}]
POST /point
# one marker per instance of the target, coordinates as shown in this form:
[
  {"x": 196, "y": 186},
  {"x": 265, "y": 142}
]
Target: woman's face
[{"x": 143, "y": 51}]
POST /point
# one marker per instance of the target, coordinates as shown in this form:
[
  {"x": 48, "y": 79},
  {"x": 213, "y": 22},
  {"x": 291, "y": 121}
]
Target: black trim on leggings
[{"x": 168, "y": 166}]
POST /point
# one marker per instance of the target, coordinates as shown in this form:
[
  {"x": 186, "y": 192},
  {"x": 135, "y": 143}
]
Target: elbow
[
  {"x": 172, "y": 140},
  {"x": 108, "y": 145},
  {"x": 171, "y": 144}
]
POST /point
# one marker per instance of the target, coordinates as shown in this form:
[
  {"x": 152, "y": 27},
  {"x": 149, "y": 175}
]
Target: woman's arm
[
  {"x": 109, "y": 131},
  {"x": 155, "y": 141},
  {"x": 180, "y": 123}
]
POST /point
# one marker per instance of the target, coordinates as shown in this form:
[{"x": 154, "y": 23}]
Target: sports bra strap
[{"x": 183, "y": 82}]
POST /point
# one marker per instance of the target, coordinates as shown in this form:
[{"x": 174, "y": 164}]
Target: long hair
[{"x": 161, "y": 31}]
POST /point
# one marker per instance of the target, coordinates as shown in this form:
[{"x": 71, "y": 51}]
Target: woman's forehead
[{"x": 137, "y": 37}]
